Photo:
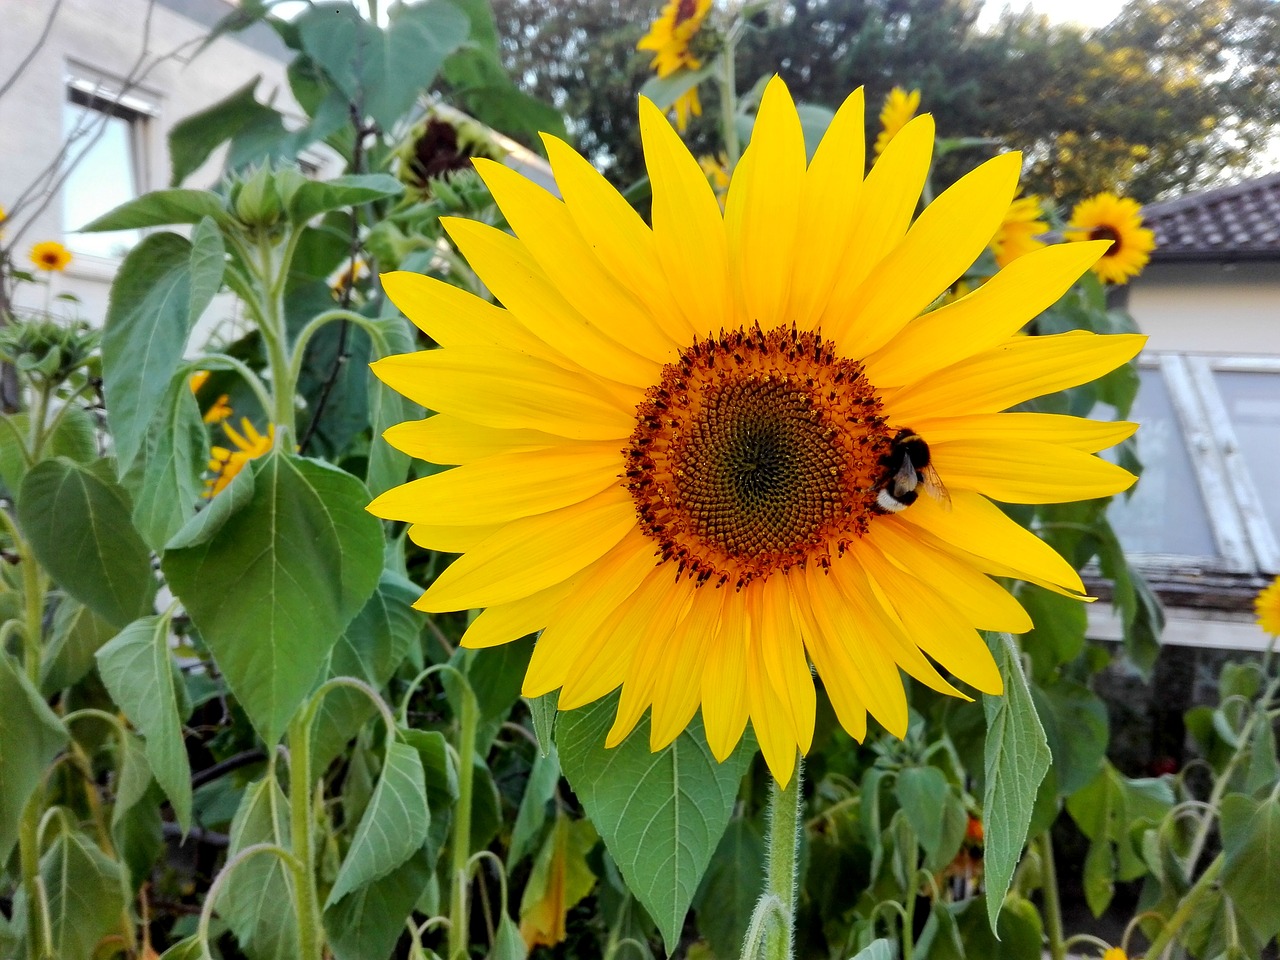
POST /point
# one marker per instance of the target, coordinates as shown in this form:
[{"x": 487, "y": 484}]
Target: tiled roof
[{"x": 1239, "y": 222}]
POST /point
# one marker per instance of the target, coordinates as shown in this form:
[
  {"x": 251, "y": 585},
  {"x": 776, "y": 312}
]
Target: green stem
[
  {"x": 251, "y": 379},
  {"x": 1052, "y": 902},
  {"x": 729, "y": 104},
  {"x": 271, "y": 275},
  {"x": 783, "y": 845},
  {"x": 211, "y": 900},
  {"x": 301, "y": 836},
  {"x": 1190, "y": 903},
  {"x": 39, "y": 924},
  {"x": 329, "y": 316},
  {"x": 458, "y": 924}
]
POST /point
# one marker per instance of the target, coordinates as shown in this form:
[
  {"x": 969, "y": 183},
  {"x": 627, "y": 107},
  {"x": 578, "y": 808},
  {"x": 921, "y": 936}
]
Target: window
[{"x": 104, "y": 132}]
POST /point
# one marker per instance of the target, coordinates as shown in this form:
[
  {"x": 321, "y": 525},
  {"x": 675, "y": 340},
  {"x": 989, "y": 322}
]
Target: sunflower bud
[
  {"x": 47, "y": 350},
  {"x": 440, "y": 146},
  {"x": 256, "y": 199}
]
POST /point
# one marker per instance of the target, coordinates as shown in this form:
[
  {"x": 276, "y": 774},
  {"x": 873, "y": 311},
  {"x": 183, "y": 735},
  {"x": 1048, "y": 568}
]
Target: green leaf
[
  {"x": 161, "y": 290},
  {"x": 661, "y": 814},
  {"x": 1077, "y": 729},
  {"x": 193, "y": 139},
  {"x": 383, "y": 70},
  {"x": 731, "y": 887},
  {"x": 1251, "y": 873},
  {"x": 320, "y": 196},
  {"x": 394, "y": 825},
  {"x": 75, "y": 437},
  {"x": 31, "y": 735},
  {"x": 665, "y": 91},
  {"x": 560, "y": 879},
  {"x": 77, "y": 635},
  {"x": 1016, "y": 760},
  {"x": 161, "y": 208},
  {"x": 543, "y": 711},
  {"x": 273, "y": 585},
  {"x": 166, "y": 477},
  {"x": 532, "y": 815},
  {"x": 257, "y": 900},
  {"x": 79, "y": 525},
  {"x": 374, "y": 644},
  {"x": 138, "y": 673},
  {"x": 1060, "y": 624},
  {"x": 878, "y": 950},
  {"x": 922, "y": 793},
  {"x": 388, "y": 467},
  {"x": 366, "y": 924},
  {"x": 495, "y": 675},
  {"x": 85, "y": 895},
  {"x": 507, "y": 942}
]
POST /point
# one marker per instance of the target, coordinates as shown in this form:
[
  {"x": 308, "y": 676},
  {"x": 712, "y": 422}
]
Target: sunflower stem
[
  {"x": 775, "y": 913},
  {"x": 468, "y": 725},
  {"x": 1052, "y": 902},
  {"x": 302, "y": 838},
  {"x": 729, "y": 102}
]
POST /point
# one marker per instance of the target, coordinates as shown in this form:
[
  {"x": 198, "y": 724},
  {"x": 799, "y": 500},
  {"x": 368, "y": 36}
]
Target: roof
[{"x": 1237, "y": 222}]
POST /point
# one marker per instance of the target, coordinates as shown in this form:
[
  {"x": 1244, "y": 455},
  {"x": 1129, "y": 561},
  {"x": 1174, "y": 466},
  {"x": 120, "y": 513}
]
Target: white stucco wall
[
  {"x": 106, "y": 37},
  {"x": 1231, "y": 309}
]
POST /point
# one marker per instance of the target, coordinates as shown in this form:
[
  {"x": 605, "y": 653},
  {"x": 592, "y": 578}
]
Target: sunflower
[
  {"x": 1267, "y": 608},
  {"x": 717, "y": 173},
  {"x": 220, "y": 409},
  {"x": 1118, "y": 219},
  {"x": 1115, "y": 953},
  {"x": 899, "y": 107},
  {"x": 50, "y": 255},
  {"x": 225, "y": 464},
  {"x": 1019, "y": 230},
  {"x": 669, "y": 445},
  {"x": 671, "y": 38}
]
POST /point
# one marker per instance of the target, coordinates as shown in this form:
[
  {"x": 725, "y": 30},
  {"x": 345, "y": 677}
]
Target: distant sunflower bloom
[
  {"x": 220, "y": 409},
  {"x": 1119, "y": 219},
  {"x": 1018, "y": 233},
  {"x": 1267, "y": 608},
  {"x": 899, "y": 107},
  {"x": 1115, "y": 953},
  {"x": 225, "y": 463},
  {"x": 671, "y": 39},
  {"x": 672, "y": 445},
  {"x": 717, "y": 172},
  {"x": 50, "y": 255}
]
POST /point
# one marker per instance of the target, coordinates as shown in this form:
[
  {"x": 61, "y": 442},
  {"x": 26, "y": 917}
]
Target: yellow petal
[
  {"x": 533, "y": 553},
  {"x": 1077, "y": 433},
  {"x": 538, "y": 302},
  {"x": 505, "y": 622},
  {"x": 943, "y": 243},
  {"x": 763, "y": 207},
  {"x": 1019, "y": 369},
  {"x": 724, "y": 681},
  {"x": 550, "y": 235},
  {"x": 984, "y": 318},
  {"x": 769, "y": 720},
  {"x": 616, "y": 234},
  {"x": 675, "y": 697},
  {"x": 505, "y": 390},
  {"x": 643, "y": 673},
  {"x": 839, "y": 674},
  {"x": 782, "y": 654},
  {"x": 687, "y": 226},
  {"x": 452, "y": 539},
  {"x": 1027, "y": 471},
  {"x": 832, "y": 188},
  {"x": 506, "y": 487},
  {"x": 448, "y": 440}
]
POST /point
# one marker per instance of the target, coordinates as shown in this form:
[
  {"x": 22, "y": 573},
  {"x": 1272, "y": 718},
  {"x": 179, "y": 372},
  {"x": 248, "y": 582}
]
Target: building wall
[
  {"x": 1231, "y": 309},
  {"x": 106, "y": 37}
]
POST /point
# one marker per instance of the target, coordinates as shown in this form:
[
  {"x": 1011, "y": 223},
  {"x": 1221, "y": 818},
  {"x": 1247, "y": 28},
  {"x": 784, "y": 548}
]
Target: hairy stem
[
  {"x": 458, "y": 925},
  {"x": 1052, "y": 902},
  {"x": 301, "y": 836}
]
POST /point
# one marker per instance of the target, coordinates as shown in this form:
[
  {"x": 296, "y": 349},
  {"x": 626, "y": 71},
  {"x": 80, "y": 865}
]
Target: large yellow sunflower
[
  {"x": 671, "y": 39},
  {"x": 672, "y": 443},
  {"x": 1119, "y": 219},
  {"x": 1020, "y": 231}
]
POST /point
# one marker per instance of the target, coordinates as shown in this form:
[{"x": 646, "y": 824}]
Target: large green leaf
[
  {"x": 366, "y": 924},
  {"x": 75, "y": 437},
  {"x": 320, "y": 196},
  {"x": 78, "y": 523},
  {"x": 77, "y": 635},
  {"x": 138, "y": 673},
  {"x": 85, "y": 893},
  {"x": 532, "y": 815},
  {"x": 382, "y": 70},
  {"x": 161, "y": 290},
  {"x": 731, "y": 888},
  {"x": 194, "y": 139},
  {"x": 257, "y": 901},
  {"x": 273, "y": 584},
  {"x": 1076, "y": 727},
  {"x": 161, "y": 208},
  {"x": 165, "y": 479},
  {"x": 1251, "y": 874},
  {"x": 661, "y": 814},
  {"x": 31, "y": 735},
  {"x": 394, "y": 825},
  {"x": 1016, "y": 760}
]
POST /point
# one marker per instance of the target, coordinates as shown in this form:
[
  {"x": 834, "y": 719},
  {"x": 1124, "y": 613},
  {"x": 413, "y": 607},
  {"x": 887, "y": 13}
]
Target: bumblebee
[{"x": 908, "y": 470}]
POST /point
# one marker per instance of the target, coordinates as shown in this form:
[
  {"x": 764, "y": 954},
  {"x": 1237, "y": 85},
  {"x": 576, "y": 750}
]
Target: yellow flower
[
  {"x": 899, "y": 107},
  {"x": 1019, "y": 230},
  {"x": 219, "y": 410},
  {"x": 1119, "y": 219},
  {"x": 4, "y": 215},
  {"x": 352, "y": 273},
  {"x": 717, "y": 171},
  {"x": 1115, "y": 953},
  {"x": 50, "y": 255},
  {"x": 670, "y": 38},
  {"x": 675, "y": 446},
  {"x": 225, "y": 464},
  {"x": 1267, "y": 608}
]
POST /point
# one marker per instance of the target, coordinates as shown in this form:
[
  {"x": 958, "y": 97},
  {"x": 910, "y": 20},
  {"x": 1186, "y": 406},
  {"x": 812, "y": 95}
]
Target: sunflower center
[
  {"x": 756, "y": 451},
  {"x": 685, "y": 10},
  {"x": 1107, "y": 233}
]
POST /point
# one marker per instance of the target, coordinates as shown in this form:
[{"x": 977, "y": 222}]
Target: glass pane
[
  {"x": 102, "y": 180},
  {"x": 1253, "y": 404},
  {"x": 1166, "y": 514}
]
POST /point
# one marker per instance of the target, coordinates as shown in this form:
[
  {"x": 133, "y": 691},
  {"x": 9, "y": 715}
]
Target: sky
[{"x": 1086, "y": 13}]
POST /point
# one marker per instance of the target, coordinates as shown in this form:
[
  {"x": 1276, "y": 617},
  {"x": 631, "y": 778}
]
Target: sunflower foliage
[{"x": 232, "y": 726}]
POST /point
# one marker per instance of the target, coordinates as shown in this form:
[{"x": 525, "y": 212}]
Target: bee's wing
[
  {"x": 905, "y": 480},
  {"x": 934, "y": 487}
]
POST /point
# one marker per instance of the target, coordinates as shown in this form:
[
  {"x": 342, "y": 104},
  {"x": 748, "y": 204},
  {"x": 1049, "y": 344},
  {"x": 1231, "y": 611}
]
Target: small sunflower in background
[
  {"x": 220, "y": 409},
  {"x": 673, "y": 40},
  {"x": 1118, "y": 219},
  {"x": 717, "y": 171},
  {"x": 1266, "y": 606},
  {"x": 899, "y": 107},
  {"x": 225, "y": 464},
  {"x": 702, "y": 455},
  {"x": 51, "y": 256},
  {"x": 1115, "y": 953},
  {"x": 1020, "y": 230}
]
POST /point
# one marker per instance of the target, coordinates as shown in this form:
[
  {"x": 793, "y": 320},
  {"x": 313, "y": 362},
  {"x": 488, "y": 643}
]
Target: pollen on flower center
[{"x": 756, "y": 451}]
